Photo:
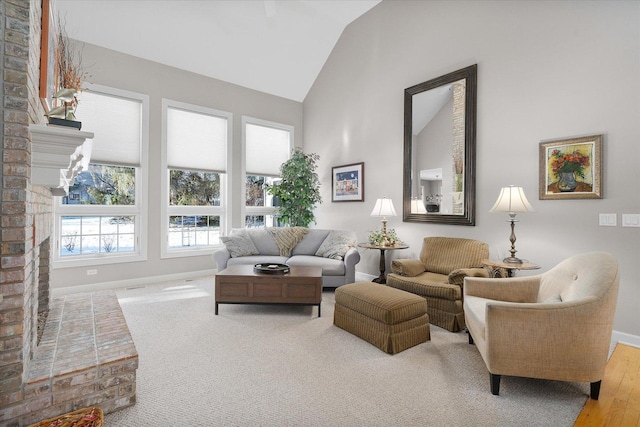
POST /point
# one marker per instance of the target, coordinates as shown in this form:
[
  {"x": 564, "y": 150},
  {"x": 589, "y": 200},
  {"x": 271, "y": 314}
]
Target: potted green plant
[
  {"x": 299, "y": 190},
  {"x": 377, "y": 237}
]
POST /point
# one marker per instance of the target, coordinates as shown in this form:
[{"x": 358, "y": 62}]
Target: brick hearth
[
  {"x": 93, "y": 359},
  {"x": 86, "y": 357}
]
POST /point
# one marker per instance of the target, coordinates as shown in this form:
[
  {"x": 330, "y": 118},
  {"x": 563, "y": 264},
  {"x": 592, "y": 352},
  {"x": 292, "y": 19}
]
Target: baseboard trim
[
  {"x": 624, "y": 338},
  {"x": 130, "y": 282},
  {"x": 364, "y": 277}
]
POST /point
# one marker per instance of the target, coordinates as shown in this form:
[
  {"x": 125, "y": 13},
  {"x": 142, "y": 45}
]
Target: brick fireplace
[
  {"x": 26, "y": 213},
  {"x": 37, "y": 381}
]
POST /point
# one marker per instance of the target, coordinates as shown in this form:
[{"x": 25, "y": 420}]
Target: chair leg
[
  {"x": 470, "y": 338},
  {"x": 495, "y": 383},
  {"x": 595, "y": 389}
]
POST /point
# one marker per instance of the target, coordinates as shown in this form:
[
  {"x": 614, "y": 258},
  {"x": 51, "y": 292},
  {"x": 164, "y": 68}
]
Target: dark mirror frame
[{"x": 470, "y": 74}]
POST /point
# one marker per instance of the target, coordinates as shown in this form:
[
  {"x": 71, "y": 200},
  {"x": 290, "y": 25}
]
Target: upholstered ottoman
[{"x": 391, "y": 319}]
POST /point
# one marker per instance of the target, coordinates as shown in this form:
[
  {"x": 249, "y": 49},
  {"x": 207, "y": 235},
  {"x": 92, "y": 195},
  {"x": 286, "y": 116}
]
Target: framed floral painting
[
  {"x": 571, "y": 168},
  {"x": 347, "y": 183}
]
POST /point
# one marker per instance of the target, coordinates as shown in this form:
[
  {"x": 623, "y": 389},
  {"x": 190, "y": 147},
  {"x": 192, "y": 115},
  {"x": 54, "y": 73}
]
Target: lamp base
[{"x": 512, "y": 260}]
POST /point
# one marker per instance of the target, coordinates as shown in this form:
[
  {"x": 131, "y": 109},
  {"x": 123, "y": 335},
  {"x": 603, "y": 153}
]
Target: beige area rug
[{"x": 257, "y": 365}]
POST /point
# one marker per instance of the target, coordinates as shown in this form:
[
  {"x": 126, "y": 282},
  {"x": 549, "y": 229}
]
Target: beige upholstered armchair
[
  {"x": 555, "y": 326},
  {"x": 439, "y": 274}
]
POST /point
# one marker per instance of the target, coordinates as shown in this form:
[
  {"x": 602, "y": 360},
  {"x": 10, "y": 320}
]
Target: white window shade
[
  {"x": 117, "y": 125},
  {"x": 266, "y": 149},
  {"x": 196, "y": 141}
]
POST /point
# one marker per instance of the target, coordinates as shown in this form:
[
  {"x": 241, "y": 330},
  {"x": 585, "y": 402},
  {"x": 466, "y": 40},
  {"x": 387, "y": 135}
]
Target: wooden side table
[
  {"x": 500, "y": 268},
  {"x": 382, "y": 279}
]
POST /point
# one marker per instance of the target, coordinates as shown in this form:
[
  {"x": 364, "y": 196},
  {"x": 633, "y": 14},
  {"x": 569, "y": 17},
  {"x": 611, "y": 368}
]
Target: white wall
[
  {"x": 546, "y": 70},
  {"x": 114, "y": 69}
]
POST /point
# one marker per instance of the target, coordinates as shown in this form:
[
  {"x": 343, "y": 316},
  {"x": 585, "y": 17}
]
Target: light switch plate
[
  {"x": 608, "y": 220},
  {"x": 631, "y": 220}
]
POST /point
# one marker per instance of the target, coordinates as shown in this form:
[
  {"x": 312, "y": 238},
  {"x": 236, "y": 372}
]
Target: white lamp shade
[
  {"x": 417, "y": 206},
  {"x": 512, "y": 200},
  {"x": 383, "y": 207}
]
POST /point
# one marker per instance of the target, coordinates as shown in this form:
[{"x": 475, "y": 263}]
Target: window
[
  {"x": 102, "y": 218},
  {"x": 196, "y": 143},
  {"x": 193, "y": 188},
  {"x": 259, "y": 203},
  {"x": 266, "y": 146},
  {"x": 82, "y": 235}
]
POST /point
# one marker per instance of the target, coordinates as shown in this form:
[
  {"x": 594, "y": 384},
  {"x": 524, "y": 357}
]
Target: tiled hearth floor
[{"x": 86, "y": 356}]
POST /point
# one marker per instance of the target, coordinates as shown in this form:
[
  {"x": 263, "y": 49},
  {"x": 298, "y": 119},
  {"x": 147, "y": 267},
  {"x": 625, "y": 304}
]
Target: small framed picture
[
  {"x": 571, "y": 168},
  {"x": 347, "y": 183}
]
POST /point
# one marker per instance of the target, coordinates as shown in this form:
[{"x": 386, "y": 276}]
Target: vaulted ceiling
[{"x": 273, "y": 46}]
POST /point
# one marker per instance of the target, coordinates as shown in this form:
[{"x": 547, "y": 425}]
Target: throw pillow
[
  {"x": 336, "y": 244},
  {"x": 240, "y": 244},
  {"x": 287, "y": 238}
]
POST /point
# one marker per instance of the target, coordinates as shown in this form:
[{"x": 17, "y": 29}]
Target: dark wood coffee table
[{"x": 239, "y": 284}]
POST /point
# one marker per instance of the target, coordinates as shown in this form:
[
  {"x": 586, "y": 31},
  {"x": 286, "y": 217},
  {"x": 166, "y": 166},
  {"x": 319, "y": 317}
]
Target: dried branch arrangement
[
  {"x": 70, "y": 70},
  {"x": 70, "y": 76}
]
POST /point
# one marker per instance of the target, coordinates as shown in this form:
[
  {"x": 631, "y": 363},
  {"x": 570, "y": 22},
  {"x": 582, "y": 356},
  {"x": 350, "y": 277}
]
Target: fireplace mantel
[{"x": 58, "y": 155}]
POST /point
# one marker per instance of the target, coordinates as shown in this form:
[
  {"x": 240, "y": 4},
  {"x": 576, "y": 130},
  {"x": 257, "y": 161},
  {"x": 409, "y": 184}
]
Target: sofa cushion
[
  {"x": 475, "y": 312},
  {"x": 311, "y": 242},
  {"x": 239, "y": 245},
  {"x": 257, "y": 259},
  {"x": 427, "y": 285},
  {"x": 552, "y": 299},
  {"x": 456, "y": 277},
  {"x": 445, "y": 254},
  {"x": 330, "y": 267},
  {"x": 336, "y": 244}
]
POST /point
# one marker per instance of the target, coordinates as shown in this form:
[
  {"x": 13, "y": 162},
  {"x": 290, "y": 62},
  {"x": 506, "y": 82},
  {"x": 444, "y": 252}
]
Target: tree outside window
[{"x": 193, "y": 188}]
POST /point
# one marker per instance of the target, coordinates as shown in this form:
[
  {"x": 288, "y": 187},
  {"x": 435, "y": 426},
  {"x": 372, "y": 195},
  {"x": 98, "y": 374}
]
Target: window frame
[
  {"x": 223, "y": 211},
  {"x": 139, "y": 210},
  {"x": 258, "y": 210}
]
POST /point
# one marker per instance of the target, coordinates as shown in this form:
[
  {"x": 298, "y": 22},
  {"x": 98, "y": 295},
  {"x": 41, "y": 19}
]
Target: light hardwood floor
[{"x": 619, "y": 401}]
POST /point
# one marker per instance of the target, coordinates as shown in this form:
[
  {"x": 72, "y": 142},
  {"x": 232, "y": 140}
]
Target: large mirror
[{"x": 439, "y": 149}]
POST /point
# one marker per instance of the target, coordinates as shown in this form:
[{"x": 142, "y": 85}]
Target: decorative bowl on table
[{"x": 268, "y": 268}]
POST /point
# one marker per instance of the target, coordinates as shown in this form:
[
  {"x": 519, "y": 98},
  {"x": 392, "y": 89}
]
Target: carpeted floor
[{"x": 257, "y": 365}]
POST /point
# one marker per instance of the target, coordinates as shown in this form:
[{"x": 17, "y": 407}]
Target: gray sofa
[{"x": 333, "y": 250}]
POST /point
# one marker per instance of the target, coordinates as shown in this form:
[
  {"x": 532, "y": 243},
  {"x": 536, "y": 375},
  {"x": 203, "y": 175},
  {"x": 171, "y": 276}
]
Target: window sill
[
  {"x": 69, "y": 262},
  {"x": 184, "y": 253}
]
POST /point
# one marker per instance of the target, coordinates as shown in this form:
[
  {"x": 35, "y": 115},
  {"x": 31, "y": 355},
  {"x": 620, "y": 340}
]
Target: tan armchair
[
  {"x": 556, "y": 325},
  {"x": 439, "y": 274}
]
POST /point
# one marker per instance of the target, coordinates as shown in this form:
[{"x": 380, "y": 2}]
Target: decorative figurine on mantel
[
  {"x": 64, "y": 115},
  {"x": 70, "y": 75}
]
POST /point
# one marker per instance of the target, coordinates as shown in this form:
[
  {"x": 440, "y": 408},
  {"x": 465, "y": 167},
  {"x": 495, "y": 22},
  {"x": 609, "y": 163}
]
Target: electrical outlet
[
  {"x": 92, "y": 272},
  {"x": 631, "y": 220},
  {"x": 608, "y": 220}
]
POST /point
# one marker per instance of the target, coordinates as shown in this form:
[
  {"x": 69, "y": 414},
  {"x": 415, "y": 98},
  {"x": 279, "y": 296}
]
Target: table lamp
[
  {"x": 384, "y": 208},
  {"x": 417, "y": 206},
  {"x": 512, "y": 200}
]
